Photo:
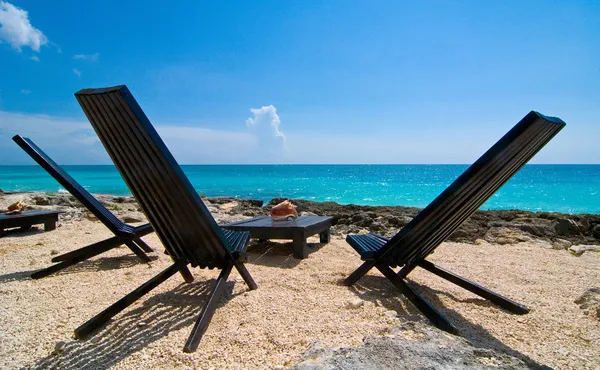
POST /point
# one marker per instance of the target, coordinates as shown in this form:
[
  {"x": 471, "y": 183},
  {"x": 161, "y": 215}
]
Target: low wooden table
[
  {"x": 298, "y": 230},
  {"x": 26, "y": 219}
]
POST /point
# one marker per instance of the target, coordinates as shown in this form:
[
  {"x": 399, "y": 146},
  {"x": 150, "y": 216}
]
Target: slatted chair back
[
  {"x": 175, "y": 210},
  {"x": 72, "y": 186},
  {"x": 471, "y": 190}
]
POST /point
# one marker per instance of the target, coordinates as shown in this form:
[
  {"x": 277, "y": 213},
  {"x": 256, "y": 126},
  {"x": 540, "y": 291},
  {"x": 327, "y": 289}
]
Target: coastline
[
  {"x": 301, "y": 312},
  {"x": 549, "y": 229}
]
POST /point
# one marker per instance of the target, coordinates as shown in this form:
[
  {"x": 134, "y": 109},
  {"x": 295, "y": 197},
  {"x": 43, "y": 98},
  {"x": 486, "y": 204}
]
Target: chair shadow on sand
[
  {"x": 97, "y": 264},
  {"x": 276, "y": 254},
  {"x": 136, "y": 328},
  {"x": 379, "y": 290}
]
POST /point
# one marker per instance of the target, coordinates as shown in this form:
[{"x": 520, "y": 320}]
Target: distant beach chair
[
  {"x": 181, "y": 220},
  {"x": 124, "y": 233},
  {"x": 411, "y": 246}
]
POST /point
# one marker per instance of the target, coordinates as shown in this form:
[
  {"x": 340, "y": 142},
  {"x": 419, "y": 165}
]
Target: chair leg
[
  {"x": 407, "y": 269},
  {"x": 126, "y": 301},
  {"x": 138, "y": 252},
  {"x": 207, "y": 312},
  {"x": 358, "y": 273},
  {"x": 491, "y": 296},
  {"x": 245, "y": 275},
  {"x": 428, "y": 310},
  {"x": 142, "y": 244},
  {"x": 186, "y": 274},
  {"x": 90, "y": 250}
]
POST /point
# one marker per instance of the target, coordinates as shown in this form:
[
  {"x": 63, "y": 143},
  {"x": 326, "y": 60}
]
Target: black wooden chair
[
  {"x": 185, "y": 226},
  {"x": 124, "y": 234},
  {"x": 411, "y": 246}
]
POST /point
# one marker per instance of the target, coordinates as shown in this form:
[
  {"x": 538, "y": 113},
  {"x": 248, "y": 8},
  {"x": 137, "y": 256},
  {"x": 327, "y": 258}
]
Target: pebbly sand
[{"x": 298, "y": 303}]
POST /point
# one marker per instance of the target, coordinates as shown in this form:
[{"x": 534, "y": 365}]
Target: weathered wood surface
[
  {"x": 29, "y": 218},
  {"x": 444, "y": 215},
  {"x": 298, "y": 230}
]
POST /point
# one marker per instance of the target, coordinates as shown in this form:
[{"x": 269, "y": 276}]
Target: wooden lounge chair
[
  {"x": 411, "y": 246},
  {"x": 185, "y": 226},
  {"x": 124, "y": 234}
]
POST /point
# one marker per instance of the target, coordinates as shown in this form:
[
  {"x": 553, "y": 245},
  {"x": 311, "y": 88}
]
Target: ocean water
[{"x": 558, "y": 188}]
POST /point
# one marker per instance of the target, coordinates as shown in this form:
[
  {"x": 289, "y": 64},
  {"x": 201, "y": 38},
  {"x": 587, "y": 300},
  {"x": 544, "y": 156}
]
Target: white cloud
[
  {"x": 25, "y": 91},
  {"x": 77, "y": 72},
  {"x": 90, "y": 57},
  {"x": 266, "y": 114},
  {"x": 265, "y": 127},
  {"x": 35, "y": 58},
  {"x": 17, "y": 30}
]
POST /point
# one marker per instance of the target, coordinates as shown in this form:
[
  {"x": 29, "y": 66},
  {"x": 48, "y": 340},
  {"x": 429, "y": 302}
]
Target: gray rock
[
  {"x": 561, "y": 244},
  {"x": 59, "y": 347},
  {"x": 377, "y": 226},
  {"x": 578, "y": 250},
  {"x": 534, "y": 226},
  {"x": 589, "y": 302},
  {"x": 41, "y": 200},
  {"x": 354, "y": 303},
  {"x": 596, "y": 231},
  {"x": 133, "y": 218},
  {"x": 566, "y": 227},
  {"x": 410, "y": 346},
  {"x": 505, "y": 235},
  {"x": 390, "y": 314}
]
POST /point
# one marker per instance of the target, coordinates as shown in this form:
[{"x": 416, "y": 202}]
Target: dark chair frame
[
  {"x": 411, "y": 246},
  {"x": 184, "y": 225},
  {"x": 124, "y": 233}
]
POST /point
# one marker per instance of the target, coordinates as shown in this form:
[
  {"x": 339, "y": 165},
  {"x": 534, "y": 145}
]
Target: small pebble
[
  {"x": 391, "y": 314},
  {"x": 354, "y": 303},
  {"x": 59, "y": 347},
  {"x": 141, "y": 323},
  {"x": 54, "y": 252}
]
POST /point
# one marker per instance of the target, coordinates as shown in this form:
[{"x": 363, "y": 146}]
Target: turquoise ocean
[{"x": 557, "y": 188}]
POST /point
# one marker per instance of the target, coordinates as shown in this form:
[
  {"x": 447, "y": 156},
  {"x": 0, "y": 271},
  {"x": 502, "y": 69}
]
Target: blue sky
[{"x": 304, "y": 81}]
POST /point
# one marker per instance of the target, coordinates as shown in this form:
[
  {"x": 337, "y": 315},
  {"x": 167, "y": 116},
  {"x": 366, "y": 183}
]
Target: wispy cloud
[
  {"x": 64, "y": 137},
  {"x": 35, "y": 58},
  {"x": 77, "y": 72},
  {"x": 17, "y": 29},
  {"x": 25, "y": 91},
  {"x": 89, "y": 57}
]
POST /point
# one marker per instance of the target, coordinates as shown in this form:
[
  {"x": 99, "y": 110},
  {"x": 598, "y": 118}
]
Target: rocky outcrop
[
  {"x": 560, "y": 231},
  {"x": 501, "y": 227},
  {"x": 411, "y": 345}
]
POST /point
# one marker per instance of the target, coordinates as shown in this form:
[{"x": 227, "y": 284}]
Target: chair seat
[
  {"x": 367, "y": 245},
  {"x": 238, "y": 240}
]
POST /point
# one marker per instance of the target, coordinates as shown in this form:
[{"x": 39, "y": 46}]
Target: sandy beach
[{"x": 298, "y": 304}]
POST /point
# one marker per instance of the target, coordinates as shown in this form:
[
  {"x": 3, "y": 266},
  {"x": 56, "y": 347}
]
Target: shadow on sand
[
  {"x": 20, "y": 232},
  {"x": 97, "y": 264},
  {"x": 160, "y": 314},
  {"x": 276, "y": 254},
  {"x": 379, "y": 290}
]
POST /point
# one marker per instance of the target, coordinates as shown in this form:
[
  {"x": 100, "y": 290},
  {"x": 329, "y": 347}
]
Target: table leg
[
  {"x": 49, "y": 226},
  {"x": 300, "y": 247},
  {"x": 325, "y": 236}
]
